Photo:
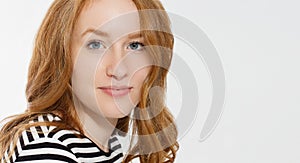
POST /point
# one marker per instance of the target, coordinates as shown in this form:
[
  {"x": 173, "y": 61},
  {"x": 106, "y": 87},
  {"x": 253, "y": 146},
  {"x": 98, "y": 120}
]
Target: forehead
[{"x": 116, "y": 17}]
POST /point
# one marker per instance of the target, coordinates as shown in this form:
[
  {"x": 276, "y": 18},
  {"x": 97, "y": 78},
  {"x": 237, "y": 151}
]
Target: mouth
[{"x": 116, "y": 91}]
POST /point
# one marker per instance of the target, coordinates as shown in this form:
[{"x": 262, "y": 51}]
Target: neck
[
  {"x": 100, "y": 134},
  {"x": 96, "y": 127}
]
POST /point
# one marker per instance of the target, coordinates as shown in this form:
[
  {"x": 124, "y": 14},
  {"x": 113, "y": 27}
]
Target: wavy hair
[{"x": 49, "y": 88}]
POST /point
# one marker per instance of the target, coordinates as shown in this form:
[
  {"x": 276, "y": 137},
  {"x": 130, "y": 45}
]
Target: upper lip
[{"x": 115, "y": 87}]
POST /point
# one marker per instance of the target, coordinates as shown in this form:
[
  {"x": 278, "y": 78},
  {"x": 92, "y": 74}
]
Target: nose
[{"x": 116, "y": 67}]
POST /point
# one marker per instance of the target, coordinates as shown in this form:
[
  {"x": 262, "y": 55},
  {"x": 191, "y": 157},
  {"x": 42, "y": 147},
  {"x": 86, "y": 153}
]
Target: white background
[{"x": 259, "y": 44}]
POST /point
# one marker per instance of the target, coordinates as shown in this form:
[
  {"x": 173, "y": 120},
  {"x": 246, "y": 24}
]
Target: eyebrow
[
  {"x": 97, "y": 32},
  {"x": 133, "y": 35}
]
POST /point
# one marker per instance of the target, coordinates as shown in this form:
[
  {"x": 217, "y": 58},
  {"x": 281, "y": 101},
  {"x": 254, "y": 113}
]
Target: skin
[{"x": 108, "y": 54}]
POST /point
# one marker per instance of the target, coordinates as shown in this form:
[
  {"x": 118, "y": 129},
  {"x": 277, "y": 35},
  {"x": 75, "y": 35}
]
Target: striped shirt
[{"x": 46, "y": 145}]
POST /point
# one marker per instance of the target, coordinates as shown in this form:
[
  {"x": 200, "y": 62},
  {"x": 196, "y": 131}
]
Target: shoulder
[{"x": 45, "y": 143}]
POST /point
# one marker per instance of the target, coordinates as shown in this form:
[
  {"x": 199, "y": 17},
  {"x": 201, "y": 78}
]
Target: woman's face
[{"x": 110, "y": 61}]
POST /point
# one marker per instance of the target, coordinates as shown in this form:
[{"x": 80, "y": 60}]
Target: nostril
[{"x": 117, "y": 73}]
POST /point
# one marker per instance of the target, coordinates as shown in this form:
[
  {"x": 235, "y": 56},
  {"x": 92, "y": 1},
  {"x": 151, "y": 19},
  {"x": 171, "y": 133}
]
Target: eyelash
[
  {"x": 101, "y": 44},
  {"x": 92, "y": 42},
  {"x": 137, "y": 42}
]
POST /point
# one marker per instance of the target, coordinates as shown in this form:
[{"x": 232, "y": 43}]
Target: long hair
[{"x": 49, "y": 87}]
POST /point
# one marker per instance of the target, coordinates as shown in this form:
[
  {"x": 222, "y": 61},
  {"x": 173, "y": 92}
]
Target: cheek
[
  {"x": 140, "y": 76},
  {"x": 137, "y": 81}
]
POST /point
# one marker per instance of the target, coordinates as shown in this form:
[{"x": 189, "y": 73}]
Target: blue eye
[
  {"x": 136, "y": 45},
  {"x": 95, "y": 45}
]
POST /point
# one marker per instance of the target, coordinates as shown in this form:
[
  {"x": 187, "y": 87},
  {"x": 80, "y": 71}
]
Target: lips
[{"x": 116, "y": 91}]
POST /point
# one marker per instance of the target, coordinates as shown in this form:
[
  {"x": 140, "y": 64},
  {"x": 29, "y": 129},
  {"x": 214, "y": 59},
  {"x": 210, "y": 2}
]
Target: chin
[
  {"x": 115, "y": 112},
  {"x": 116, "y": 115}
]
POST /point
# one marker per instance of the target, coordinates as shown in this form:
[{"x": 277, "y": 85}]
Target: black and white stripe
[{"x": 44, "y": 144}]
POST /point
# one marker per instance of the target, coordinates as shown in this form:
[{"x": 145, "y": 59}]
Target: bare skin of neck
[
  {"x": 96, "y": 127},
  {"x": 100, "y": 134}
]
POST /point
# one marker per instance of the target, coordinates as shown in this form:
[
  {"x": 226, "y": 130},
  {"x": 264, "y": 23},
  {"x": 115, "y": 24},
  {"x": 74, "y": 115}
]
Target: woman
[{"x": 98, "y": 70}]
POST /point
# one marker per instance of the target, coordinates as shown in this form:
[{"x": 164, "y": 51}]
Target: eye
[
  {"x": 94, "y": 45},
  {"x": 136, "y": 45}
]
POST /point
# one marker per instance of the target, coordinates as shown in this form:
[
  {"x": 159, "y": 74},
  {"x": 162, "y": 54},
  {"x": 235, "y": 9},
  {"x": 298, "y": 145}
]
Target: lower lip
[{"x": 116, "y": 93}]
